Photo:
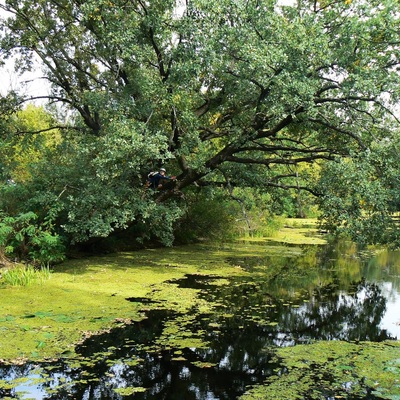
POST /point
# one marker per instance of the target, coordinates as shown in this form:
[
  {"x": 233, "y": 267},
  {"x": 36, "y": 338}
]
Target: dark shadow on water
[
  {"x": 143, "y": 300},
  {"x": 196, "y": 281}
]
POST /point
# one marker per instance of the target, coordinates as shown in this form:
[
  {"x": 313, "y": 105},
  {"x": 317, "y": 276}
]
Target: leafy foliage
[
  {"x": 22, "y": 237},
  {"x": 359, "y": 195},
  {"x": 223, "y": 93},
  {"x": 208, "y": 215}
]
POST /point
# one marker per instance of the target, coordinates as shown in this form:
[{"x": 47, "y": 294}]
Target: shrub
[
  {"x": 208, "y": 216},
  {"x": 23, "y": 238}
]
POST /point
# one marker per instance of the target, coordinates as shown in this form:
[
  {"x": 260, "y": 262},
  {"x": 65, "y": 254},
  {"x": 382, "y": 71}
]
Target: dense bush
[
  {"x": 208, "y": 216},
  {"x": 22, "y": 238},
  {"x": 222, "y": 215}
]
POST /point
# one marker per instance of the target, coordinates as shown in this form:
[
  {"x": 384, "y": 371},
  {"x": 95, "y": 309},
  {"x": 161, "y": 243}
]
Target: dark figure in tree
[{"x": 157, "y": 179}]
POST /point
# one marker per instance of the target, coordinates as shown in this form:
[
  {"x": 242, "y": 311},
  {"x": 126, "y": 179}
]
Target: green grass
[{"x": 25, "y": 275}]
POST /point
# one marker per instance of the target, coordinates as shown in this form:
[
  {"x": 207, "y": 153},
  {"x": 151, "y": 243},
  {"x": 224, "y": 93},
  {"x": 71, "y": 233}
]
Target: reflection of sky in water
[
  {"x": 29, "y": 388},
  {"x": 384, "y": 269},
  {"x": 391, "y": 318}
]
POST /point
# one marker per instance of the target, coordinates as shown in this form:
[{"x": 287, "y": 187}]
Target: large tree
[{"x": 234, "y": 92}]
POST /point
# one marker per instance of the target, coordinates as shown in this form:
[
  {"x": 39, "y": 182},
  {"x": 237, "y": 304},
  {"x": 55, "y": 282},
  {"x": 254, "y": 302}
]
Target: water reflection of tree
[
  {"x": 327, "y": 314},
  {"x": 238, "y": 358},
  {"x": 9, "y": 373},
  {"x": 333, "y": 314},
  {"x": 313, "y": 296},
  {"x": 384, "y": 266}
]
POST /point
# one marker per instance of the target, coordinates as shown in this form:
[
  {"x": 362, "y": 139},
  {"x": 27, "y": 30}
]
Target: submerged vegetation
[{"x": 87, "y": 296}]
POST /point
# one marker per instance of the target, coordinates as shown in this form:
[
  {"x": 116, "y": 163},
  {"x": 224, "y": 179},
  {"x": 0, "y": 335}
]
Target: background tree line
[{"x": 257, "y": 108}]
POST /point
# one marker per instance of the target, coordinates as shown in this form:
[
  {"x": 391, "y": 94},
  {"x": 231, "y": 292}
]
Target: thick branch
[{"x": 270, "y": 149}]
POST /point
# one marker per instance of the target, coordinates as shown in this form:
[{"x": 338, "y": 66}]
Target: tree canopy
[{"x": 232, "y": 93}]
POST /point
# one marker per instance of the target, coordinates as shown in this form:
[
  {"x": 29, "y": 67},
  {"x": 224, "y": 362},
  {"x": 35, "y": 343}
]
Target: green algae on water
[
  {"x": 334, "y": 369},
  {"x": 89, "y": 296},
  {"x": 128, "y": 391}
]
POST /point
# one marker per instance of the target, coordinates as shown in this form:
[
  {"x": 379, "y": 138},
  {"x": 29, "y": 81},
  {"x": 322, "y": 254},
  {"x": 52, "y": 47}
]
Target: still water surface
[{"x": 328, "y": 293}]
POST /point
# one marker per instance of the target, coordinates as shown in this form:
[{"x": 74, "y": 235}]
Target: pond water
[{"x": 327, "y": 293}]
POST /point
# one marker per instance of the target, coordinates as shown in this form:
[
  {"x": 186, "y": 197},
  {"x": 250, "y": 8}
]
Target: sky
[{"x": 29, "y": 84}]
